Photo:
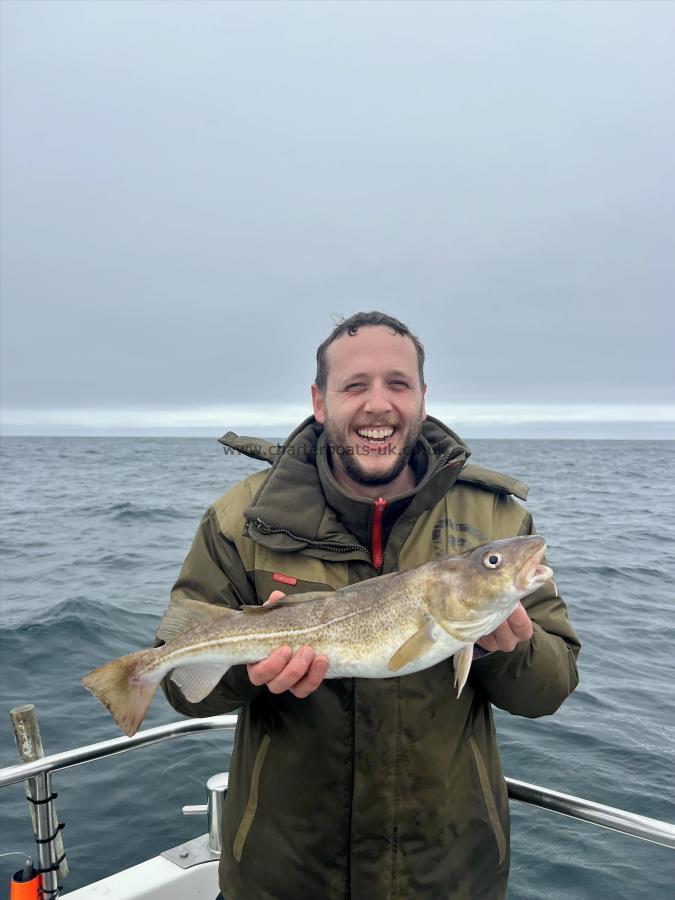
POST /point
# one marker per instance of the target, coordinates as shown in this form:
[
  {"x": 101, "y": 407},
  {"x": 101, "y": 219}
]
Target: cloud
[{"x": 191, "y": 190}]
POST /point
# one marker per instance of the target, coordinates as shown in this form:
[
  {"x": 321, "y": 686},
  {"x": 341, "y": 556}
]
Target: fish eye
[{"x": 492, "y": 560}]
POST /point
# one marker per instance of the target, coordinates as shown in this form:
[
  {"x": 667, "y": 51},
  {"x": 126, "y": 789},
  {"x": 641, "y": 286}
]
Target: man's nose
[{"x": 377, "y": 401}]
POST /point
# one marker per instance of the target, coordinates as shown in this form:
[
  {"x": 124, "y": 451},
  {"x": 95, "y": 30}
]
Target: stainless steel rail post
[
  {"x": 216, "y": 789},
  {"x": 50, "y": 853},
  {"x": 45, "y": 834}
]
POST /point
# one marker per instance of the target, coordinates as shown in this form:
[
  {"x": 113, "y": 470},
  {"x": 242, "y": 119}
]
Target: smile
[{"x": 375, "y": 434}]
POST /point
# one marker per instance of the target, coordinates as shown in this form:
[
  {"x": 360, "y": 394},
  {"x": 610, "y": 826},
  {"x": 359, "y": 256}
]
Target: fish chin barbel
[{"x": 383, "y": 627}]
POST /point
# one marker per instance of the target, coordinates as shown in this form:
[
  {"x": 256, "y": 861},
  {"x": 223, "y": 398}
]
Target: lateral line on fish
[{"x": 258, "y": 635}]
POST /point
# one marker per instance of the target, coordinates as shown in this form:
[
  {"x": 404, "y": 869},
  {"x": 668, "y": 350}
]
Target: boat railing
[{"x": 38, "y": 775}]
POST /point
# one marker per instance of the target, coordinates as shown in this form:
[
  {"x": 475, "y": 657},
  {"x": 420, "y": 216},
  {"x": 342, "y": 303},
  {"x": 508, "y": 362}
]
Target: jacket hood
[{"x": 300, "y": 504}]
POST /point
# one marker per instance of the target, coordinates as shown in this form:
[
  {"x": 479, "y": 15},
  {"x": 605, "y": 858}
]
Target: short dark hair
[{"x": 350, "y": 326}]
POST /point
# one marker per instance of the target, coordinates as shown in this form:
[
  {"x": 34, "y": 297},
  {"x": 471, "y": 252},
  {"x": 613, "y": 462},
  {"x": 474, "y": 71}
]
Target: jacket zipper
[
  {"x": 320, "y": 545},
  {"x": 378, "y": 515},
  {"x": 441, "y": 461}
]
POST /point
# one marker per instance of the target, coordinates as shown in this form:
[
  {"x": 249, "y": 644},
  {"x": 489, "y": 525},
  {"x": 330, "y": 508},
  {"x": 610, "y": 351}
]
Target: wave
[
  {"x": 128, "y": 511},
  {"x": 82, "y": 619}
]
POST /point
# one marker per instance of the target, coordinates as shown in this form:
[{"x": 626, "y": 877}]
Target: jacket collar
[{"x": 301, "y": 505}]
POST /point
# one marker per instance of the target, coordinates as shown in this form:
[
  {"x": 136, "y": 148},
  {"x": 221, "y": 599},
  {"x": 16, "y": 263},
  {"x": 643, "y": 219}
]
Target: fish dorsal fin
[
  {"x": 309, "y": 597},
  {"x": 415, "y": 647},
  {"x": 184, "y": 613},
  {"x": 197, "y": 681}
]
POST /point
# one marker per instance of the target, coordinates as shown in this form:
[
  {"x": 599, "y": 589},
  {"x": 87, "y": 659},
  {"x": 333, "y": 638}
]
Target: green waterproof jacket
[{"x": 368, "y": 789}]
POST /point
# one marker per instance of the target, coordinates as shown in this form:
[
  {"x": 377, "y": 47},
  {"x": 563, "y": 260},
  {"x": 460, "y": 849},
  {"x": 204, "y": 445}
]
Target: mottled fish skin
[
  {"x": 384, "y": 627},
  {"x": 355, "y": 629}
]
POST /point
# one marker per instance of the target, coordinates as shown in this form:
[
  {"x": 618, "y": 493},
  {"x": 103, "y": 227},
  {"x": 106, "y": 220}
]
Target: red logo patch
[{"x": 284, "y": 579}]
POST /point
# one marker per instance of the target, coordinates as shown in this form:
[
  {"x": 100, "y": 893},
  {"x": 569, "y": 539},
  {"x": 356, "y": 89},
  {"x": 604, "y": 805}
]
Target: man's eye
[
  {"x": 399, "y": 384},
  {"x": 356, "y": 386}
]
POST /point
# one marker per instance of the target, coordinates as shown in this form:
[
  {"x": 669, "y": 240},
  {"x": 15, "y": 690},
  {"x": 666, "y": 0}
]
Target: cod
[{"x": 383, "y": 627}]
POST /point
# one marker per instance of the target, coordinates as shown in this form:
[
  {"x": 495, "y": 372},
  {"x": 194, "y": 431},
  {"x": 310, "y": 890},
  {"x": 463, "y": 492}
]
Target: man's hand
[
  {"x": 300, "y": 673},
  {"x": 515, "y": 629}
]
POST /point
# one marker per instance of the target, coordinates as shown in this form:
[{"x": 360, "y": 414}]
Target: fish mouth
[{"x": 534, "y": 573}]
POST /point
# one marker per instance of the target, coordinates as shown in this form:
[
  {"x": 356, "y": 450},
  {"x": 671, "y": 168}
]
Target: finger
[
  {"x": 508, "y": 635},
  {"x": 293, "y": 672},
  {"x": 520, "y": 624},
  {"x": 502, "y": 638},
  {"x": 488, "y": 642},
  {"x": 311, "y": 681},
  {"x": 264, "y": 671},
  {"x": 506, "y": 639},
  {"x": 274, "y": 596}
]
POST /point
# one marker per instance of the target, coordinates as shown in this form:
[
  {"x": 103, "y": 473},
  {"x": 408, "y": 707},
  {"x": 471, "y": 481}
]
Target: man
[{"x": 358, "y": 788}]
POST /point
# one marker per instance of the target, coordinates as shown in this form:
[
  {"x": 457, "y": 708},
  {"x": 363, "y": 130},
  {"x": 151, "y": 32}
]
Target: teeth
[{"x": 377, "y": 434}]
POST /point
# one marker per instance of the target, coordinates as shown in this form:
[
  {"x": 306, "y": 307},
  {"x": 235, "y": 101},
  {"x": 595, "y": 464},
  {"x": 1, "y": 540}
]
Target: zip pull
[{"x": 378, "y": 515}]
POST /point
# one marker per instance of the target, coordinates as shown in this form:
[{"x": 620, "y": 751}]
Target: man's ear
[
  {"x": 424, "y": 408},
  {"x": 318, "y": 404}
]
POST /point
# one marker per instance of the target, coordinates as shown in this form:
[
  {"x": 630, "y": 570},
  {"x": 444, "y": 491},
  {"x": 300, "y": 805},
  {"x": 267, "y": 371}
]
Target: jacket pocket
[
  {"x": 489, "y": 799},
  {"x": 252, "y": 804}
]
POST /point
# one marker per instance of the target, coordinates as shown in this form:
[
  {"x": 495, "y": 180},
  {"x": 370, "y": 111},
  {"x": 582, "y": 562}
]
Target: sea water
[{"x": 94, "y": 531}]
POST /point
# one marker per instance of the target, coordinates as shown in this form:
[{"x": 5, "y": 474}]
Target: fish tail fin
[{"x": 123, "y": 690}]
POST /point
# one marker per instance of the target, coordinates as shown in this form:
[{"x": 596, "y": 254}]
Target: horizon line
[
  {"x": 652, "y": 421},
  {"x": 291, "y": 414}
]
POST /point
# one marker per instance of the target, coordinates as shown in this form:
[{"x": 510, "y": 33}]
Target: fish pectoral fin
[
  {"x": 461, "y": 662},
  {"x": 197, "y": 681},
  {"x": 184, "y": 613},
  {"x": 309, "y": 597},
  {"x": 414, "y": 647}
]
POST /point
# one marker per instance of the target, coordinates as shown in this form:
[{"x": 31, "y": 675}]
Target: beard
[{"x": 351, "y": 464}]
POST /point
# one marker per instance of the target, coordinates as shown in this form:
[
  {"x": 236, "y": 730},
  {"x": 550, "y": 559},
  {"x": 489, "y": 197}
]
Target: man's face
[{"x": 373, "y": 405}]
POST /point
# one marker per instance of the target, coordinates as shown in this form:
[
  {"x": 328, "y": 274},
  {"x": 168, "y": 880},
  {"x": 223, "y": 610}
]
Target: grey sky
[{"x": 191, "y": 189}]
